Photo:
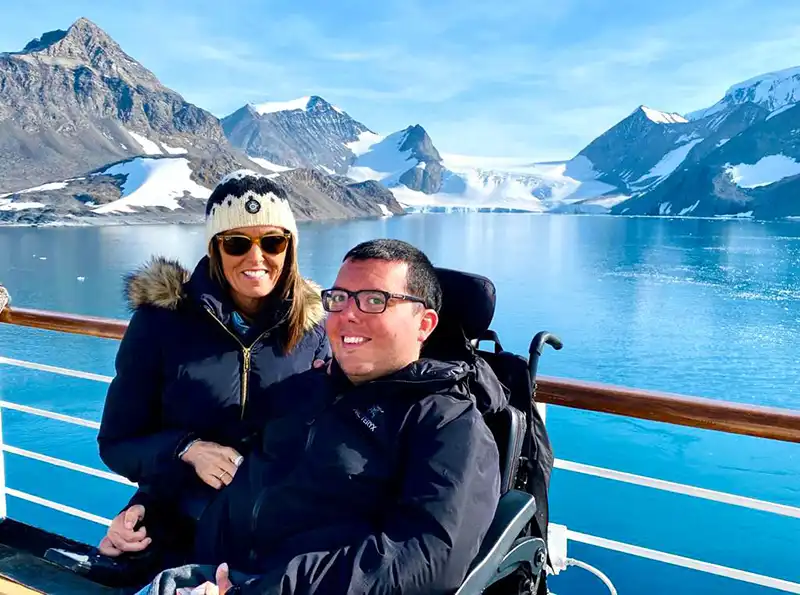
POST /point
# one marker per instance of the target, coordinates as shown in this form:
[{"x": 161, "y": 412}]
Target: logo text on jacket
[{"x": 369, "y": 419}]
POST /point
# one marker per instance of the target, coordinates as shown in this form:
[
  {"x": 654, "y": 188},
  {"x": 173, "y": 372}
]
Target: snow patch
[
  {"x": 514, "y": 183},
  {"x": 688, "y": 210},
  {"x": 766, "y": 171},
  {"x": 722, "y": 141},
  {"x": 746, "y": 215},
  {"x": 469, "y": 201},
  {"x": 385, "y": 210},
  {"x": 42, "y": 188},
  {"x": 685, "y": 138},
  {"x": 153, "y": 183},
  {"x": 364, "y": 142},
  {"x": 780, "y": 110},
  {"x": 383, "y": 161},
  {"x": 269, "y": 165},
  {"x": 174, "y": 150},
  {"x": 668, "y": 164},
  {"x": 6, "y": 204},
  {"x": 663, "y": 117},
  {"x": 270, "y": 107},
  {"x": 148, "y": 146}
]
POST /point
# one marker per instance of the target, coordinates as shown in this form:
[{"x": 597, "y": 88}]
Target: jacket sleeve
[
  {"x": 131, "y": 440},
  {"x": 323, "y": 351},
  {"x": 428, "y": 537}
]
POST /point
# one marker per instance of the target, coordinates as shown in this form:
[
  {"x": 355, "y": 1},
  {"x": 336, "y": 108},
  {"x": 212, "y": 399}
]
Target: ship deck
[{"x": 23, "y": 569}]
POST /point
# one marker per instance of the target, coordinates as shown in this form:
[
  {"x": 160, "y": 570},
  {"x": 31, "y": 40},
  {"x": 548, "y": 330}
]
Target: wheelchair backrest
[{"x": 468, "y": 306}]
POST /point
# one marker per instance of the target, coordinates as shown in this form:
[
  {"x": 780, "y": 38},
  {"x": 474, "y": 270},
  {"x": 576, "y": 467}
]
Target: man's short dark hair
[{"x": 421, "y": 279}]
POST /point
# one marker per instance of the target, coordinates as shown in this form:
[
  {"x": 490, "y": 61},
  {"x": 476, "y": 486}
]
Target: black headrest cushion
[{"x": 468, "y": 300}]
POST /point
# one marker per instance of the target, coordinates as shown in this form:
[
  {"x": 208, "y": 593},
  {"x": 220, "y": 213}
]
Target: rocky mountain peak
[
  {"x": 420, "y": 144},
  {"x": 82, "y": 45}
]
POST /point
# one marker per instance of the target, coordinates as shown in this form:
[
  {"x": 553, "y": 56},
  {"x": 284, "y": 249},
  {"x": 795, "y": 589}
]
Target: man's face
[{"x": 368, "y": 346}]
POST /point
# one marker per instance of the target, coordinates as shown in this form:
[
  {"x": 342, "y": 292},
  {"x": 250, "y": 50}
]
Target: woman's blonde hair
[{"x": 290, "y": 285}]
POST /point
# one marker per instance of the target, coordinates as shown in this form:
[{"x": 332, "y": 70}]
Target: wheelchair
[{"x": 513, "y": 555}]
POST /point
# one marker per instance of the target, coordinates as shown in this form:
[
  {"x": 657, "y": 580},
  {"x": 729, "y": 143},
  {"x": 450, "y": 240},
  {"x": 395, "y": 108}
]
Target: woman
[{"x": 178, "y": 412}]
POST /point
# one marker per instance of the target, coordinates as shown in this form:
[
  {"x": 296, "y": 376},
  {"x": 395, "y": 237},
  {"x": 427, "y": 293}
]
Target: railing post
[
  {"x": 5, "y": 299},
  {"x": 3, "y": 512}
]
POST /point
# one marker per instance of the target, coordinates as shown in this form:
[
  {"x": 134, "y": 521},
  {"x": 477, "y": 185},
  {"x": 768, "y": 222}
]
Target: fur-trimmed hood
[{"x": 162, "y": 283}]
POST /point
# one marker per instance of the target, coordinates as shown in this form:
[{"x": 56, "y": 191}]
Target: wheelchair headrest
[{"x": 468, "y": 302}]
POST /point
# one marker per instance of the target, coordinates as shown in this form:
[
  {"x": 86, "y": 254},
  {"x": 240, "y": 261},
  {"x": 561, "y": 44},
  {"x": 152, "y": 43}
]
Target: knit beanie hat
[{"x": 245, "y": 198}]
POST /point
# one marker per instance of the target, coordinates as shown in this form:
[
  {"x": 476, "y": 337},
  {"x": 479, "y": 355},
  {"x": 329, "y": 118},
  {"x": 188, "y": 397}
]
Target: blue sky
[{"x": 517, "y": 78}]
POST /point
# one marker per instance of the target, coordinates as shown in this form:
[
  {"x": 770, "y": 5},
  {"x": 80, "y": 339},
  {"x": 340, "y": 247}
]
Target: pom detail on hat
[{"x": 245, "y": 198}]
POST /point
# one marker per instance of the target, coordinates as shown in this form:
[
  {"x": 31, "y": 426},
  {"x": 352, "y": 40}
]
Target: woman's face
[{"x": 253, "y": 274}]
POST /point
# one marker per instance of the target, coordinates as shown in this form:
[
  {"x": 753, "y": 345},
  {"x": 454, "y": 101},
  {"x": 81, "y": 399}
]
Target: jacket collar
[{"x": 421, "y": 375}]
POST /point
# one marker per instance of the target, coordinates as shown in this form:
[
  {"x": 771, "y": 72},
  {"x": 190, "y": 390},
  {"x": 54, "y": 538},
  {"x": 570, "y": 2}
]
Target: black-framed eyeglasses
[
  {"x": 236, "y": 244},
  {"x": 369, "y": 301}
]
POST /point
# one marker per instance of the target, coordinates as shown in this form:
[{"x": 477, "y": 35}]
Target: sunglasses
[
  {"x": 369, "y": 301},
  {"x": 240, "y": 244}
]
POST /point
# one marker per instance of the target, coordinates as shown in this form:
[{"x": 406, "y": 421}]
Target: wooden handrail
[
  {"x": 697, "y": 412},
  {"x": 682, "y": 410},
  {"x": 107, "y": 328}
]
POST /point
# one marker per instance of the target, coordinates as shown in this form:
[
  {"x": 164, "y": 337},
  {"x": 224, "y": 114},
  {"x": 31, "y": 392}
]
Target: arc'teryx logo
[{"x": 369, "y": 419}]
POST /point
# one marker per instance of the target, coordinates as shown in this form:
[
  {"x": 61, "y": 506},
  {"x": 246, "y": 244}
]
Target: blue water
[{"x": 703, "y": 307}]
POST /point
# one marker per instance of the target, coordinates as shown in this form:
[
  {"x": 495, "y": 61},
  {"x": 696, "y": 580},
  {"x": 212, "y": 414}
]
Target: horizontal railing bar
[
  {"x": 67, "y": 464},
  {"x": 675, "y": 560},
  {"x": 679, "y": 488},
  {"x": 93, "y": 326},
  {"x": 59, "y": 507},
  {"x": 697, "y": 412},
  {"x": 78, "y": 421},
  {"x": 55, "y": 370}
]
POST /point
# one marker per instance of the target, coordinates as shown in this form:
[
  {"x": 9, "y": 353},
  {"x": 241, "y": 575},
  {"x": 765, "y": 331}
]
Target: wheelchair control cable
[{"x": 589, "y": 568}]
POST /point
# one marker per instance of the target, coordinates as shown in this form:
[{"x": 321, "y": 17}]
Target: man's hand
[
  {"x": 121, "y": 537},
  {"x": 223, "y": 583},
  {"x": 214, "y": 464}
]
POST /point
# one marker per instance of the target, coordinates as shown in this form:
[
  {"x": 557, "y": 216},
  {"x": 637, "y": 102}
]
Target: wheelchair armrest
[{"x": 514, "y": 511}]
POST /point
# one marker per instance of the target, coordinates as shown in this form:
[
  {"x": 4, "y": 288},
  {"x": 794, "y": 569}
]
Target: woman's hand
[
  {"x": 319, "y": 363},
  {"x": 214, "y": 464},
  {"x": 121, "y": 537}
]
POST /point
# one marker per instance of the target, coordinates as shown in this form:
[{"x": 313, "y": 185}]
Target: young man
[{"x": 378, "y": 477}]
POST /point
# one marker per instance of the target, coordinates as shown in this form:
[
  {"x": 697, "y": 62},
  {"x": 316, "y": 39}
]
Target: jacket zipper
[{"x": 246, "y": 352}]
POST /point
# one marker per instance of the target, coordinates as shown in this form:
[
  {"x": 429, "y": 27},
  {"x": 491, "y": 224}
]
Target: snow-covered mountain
[
  {"x": 755, "y": 173},
  {"x": 137, "y": 189},
  {"x": 404, "y": 158},
  {"x": 772, "y": 91},
  {"x": 307, "y": 132},
  {"x": 312, "y": 133},
  {"x": 408, "y": 163},
  {"x": 88, "y": 134},
  {"x": 747, "y": 161},
  {"x": 73, "y": 100}
]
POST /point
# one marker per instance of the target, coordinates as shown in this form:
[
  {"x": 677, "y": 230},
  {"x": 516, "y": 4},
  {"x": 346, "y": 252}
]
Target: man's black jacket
[{"x": 384, "y": 487}]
